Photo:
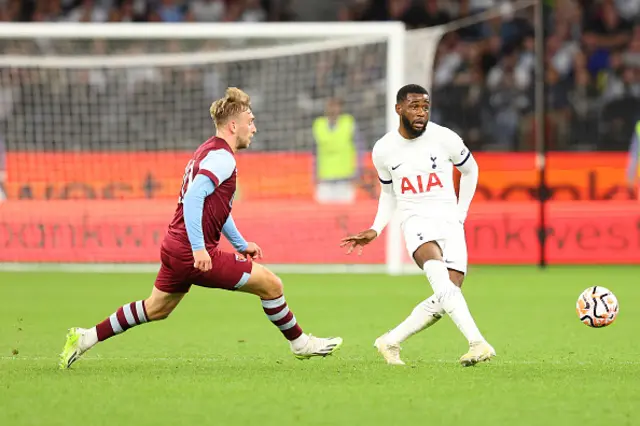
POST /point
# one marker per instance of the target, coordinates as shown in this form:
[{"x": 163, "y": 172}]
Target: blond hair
[{"x": 233, "y": 103}]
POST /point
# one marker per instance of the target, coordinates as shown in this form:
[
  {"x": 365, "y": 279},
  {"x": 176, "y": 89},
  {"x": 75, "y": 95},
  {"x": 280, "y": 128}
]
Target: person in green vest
[
  {"x": 338, "y": 146},
  {"x": 633, "y": 171}
]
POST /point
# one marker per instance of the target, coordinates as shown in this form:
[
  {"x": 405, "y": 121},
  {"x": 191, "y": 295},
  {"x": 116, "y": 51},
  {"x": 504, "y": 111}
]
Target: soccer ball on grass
[{"x": 597, "y": 307}]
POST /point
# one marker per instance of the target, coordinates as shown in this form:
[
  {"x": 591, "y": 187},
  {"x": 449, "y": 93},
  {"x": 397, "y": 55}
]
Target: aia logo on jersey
[
  {"x": 420, "y": 184},
  {"x": 240, "y": 258}
]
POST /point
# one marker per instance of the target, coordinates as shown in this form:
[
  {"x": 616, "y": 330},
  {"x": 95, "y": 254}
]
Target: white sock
[
  {"x": 452, "y": 300},
  {"x": 89, "y": 338},
  {"x": 300, "y": 342},
  {"x": 427, "y": 313}
]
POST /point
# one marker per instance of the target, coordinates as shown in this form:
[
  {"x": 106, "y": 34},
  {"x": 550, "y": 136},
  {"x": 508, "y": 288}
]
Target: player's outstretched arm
[
  {"x": 386, "y": 205},
  {"x": 193, "y": 203},
  {"x": 468, "y": 182},
  {"x": 386, "y": 208}
]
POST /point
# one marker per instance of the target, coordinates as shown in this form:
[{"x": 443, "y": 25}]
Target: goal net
[{"x": 99, "y": 121}]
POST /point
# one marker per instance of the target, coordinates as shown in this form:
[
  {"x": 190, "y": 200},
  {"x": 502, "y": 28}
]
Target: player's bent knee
[
  {"x": 275, "y": 287},
  {"x": 263, "y": 283},
  {"x": 272, "y": 286},
  {"x": 427, "y": 251}
]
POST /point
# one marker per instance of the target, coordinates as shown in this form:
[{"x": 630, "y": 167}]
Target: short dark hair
[{"x": 410, "y": 88}]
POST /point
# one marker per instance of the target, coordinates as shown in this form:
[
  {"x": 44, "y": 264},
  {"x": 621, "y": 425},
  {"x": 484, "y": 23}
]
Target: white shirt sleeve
[
  {"x": 383, "y": 172},
  {"x": 218, "y": 166},
  {"x": 461, "y": 157},
  {"x": 387, "y": 200},
  {"x": 458, "y": 151}
]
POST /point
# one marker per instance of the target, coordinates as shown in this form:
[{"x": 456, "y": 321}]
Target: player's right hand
[
  {"x": 202, "y": 260},
  {"x": 359, "y": 240}
]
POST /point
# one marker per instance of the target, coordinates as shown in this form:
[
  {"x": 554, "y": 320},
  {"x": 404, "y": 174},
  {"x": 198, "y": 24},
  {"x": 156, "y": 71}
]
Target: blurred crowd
[
  {"x": 141, "y": 10},
  {"x": 483, "y": 75}
]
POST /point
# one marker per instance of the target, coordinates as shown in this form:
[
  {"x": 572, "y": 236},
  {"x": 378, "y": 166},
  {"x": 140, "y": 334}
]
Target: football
[{"x": 597, "y": 307}]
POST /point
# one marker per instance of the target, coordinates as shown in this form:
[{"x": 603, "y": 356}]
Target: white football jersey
[{"x": 421, "y": 170}]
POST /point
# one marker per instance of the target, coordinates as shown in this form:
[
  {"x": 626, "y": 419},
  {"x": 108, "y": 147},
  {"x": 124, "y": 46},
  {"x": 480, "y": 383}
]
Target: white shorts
[{"x": 449, "y": 235}]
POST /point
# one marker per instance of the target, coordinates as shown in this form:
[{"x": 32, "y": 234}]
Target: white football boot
[
  {"x": 74, "y": 347},
  {"x": 318, "y": 346},
  {"x": 478, "y": 352},
  {"x": 390, "y": 351}
]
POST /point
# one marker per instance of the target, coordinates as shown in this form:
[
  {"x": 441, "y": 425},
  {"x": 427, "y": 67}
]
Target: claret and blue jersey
[{"x": 206, "y": 197}]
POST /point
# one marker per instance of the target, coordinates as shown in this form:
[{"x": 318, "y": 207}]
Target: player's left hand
[
  {"x": 253, "y": 251},
  {"x": 359, "y": 240}
]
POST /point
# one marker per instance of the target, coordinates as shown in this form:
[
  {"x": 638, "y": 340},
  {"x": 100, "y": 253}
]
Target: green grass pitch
[{"x": 218, "y": 361}]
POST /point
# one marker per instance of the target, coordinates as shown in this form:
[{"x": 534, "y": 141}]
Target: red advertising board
[
  {"x": 114, "y": 207},
  {"x": 304, "y": 232},
  {"x": 289, "y": 176}
]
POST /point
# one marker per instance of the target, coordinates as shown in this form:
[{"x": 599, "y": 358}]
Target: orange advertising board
[
  {"x": 304, "y": 232},
  {"x": 283, "y": 175}
]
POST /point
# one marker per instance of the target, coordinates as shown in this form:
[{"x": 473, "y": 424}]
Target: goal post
[
  {"x": 99, "y": 120},
  {"x": 233, "y": 30}
]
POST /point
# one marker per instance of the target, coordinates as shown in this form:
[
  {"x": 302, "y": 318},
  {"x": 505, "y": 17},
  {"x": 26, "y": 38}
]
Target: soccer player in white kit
[{"x": 415, "y": 168}]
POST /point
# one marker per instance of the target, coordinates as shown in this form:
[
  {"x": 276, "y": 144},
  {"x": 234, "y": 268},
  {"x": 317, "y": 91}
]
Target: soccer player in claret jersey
[
  {"x": 190, "y": 253},
  {"x": 415, "y": 168}
]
